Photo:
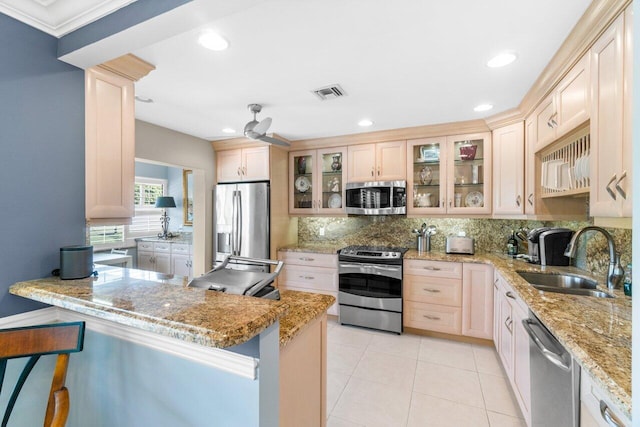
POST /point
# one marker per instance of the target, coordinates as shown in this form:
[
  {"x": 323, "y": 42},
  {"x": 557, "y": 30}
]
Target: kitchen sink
[{"x": 563, "y": 284}]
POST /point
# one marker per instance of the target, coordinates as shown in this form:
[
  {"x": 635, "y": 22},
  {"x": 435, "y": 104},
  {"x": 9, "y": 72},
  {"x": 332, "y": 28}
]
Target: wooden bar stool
[{"x": 36, "y": 341}]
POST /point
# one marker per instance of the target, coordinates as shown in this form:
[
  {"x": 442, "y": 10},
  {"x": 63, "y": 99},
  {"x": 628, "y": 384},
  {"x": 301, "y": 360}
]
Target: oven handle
[
  {"x": 375, "y": 266},
  {"x": 381, "y": 270}
]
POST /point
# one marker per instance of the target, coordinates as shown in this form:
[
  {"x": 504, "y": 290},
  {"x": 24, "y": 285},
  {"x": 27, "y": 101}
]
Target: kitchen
[{"x": 68, "y": 214}]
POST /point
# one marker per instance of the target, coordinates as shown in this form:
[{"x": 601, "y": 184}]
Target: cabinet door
[
  {"x": 145, "y": 261},
  {"x": 606, "y": 119},
  {"x": 508, "y": 170},
  {"x": 545, "y": 127},
  {"x": 572, "y": 98},
  {"x": 361, "y": 162},
  {"x": 181, "y": 265},
  {"x": 302, "y": 181},
  {"x": 162, "y": 262},
  {"x": 506, "y": 335},
  {"x": 530, "y": 126},
  {"x": 332, "y": 176},
  {"x": 477, "y": 300},
  {"x": 228, "y": 165},
  {"x": 426, "y": 177},
  {"x": 391, "y": 161},
  {"x": 496, "y": 313},
  {"x": 255, "y": 164},
  {"x": 469, "y": 174},
  {"x": 521, "y": 374},
  {"x": 625, "y": 185},
  {"x": 109, "y": 146}
]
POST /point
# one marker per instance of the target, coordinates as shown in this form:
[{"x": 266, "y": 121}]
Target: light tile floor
[{"x": 380, "y": 379}]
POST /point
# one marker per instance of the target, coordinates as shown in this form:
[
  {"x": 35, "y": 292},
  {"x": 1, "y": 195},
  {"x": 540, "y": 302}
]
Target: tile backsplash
[{"x": 490, "y": 234}]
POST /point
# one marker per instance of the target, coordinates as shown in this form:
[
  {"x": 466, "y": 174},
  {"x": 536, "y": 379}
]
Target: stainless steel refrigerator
[{"x": 241, "y": 216}]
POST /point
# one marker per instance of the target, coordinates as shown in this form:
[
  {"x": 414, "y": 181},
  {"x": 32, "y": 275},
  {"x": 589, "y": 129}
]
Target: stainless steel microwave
[{"x": 376, "y": 198}]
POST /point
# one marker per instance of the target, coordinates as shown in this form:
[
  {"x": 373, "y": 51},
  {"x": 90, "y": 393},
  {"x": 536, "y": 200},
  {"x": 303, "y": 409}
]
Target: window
[{"x": 146, "y": 221}]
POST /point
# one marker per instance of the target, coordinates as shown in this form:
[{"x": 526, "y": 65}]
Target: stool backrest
[{"x": 34, "y": 342}]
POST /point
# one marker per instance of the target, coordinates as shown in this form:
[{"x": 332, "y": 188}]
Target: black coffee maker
[{"x": 547, "y": 246}]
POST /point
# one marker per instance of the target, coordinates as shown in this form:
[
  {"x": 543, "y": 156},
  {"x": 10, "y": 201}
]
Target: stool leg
[{"x": 58, "y": 404}]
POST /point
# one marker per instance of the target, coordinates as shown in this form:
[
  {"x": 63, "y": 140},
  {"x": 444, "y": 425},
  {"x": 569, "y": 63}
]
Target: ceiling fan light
[
  {"x": 365, "y": 123},
  {"x": 502, "y": 59},
  {"x": 483, "y": 107},
  {"x": 213, "y": 41}
]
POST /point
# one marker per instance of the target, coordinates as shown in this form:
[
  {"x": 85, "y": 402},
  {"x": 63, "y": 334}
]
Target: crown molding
[
  {"x": 505, "y": 118},
  {"x": 128, "y": 66}
]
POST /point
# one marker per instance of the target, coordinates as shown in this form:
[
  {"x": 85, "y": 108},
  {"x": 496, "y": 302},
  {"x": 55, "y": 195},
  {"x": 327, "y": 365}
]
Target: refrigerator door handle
[
  {"x": 239, "y": 247},
  {"x": 234, "y": 225}
]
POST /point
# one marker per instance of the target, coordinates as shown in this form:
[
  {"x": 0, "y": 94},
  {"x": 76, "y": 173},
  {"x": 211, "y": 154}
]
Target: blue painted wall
[{"x": 41, "y": 158}]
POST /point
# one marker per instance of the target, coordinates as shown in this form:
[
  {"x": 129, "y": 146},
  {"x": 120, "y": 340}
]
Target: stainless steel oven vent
[{"x": 329, "y": 92}]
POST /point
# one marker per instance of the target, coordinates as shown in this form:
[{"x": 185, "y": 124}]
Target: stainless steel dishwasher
[{"x": 555, "y": 379}]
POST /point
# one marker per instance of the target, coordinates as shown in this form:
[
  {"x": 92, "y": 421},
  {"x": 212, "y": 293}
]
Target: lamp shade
[{"x": 165, "y": 202}]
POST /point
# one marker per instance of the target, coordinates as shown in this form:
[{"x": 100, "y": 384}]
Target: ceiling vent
[{"x": 329, "y": 92}]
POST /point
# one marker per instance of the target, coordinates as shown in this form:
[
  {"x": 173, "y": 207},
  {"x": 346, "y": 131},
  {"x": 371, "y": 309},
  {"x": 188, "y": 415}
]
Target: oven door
[{"x": 370, "y": 285}]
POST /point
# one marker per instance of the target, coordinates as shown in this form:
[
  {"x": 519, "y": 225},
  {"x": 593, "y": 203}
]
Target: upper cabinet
[
  {"x": 611, "y": 145},
  {"x": 384, "y": 161},
  {"x": 566, "y": 107},
  {"x": 508, "y": 170},
  {"x": 110, "y": 139},
  {"x": 243, "y": 164},
  {"x": 316, "y": 181},
  {"x": 449, "y": 175}
]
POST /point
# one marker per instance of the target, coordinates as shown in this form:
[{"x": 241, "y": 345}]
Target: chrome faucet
[{"x": 615, "y": 273}]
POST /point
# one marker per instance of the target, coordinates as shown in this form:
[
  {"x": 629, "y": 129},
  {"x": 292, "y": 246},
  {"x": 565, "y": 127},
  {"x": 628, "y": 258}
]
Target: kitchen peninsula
[{"x": 235, "y": 349}]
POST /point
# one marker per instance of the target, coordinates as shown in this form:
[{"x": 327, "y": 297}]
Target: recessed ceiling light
[
  {"x": 228, "y": 130},
  {"x": 143, "y": 99},
  {"x": 213, "y": 41},
  {"x": 505, "y": 58},
  {"x": 483, "y": 107},
  {"x": 365, "y": 123}
]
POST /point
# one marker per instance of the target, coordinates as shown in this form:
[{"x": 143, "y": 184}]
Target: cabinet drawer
[
  {"x": 309, "y": 259},
  {"x": 432, "y": 290},
  {"x": 180, "y": 248},
  {"x": 145, "y": 246},
  {"x": 162, "y": 247},
  {"x": 309, "y": 277},
  {"x": 432, "y": 317},
  {"x": 451, "y": 270},
  {"x": 334, "y": 307}
]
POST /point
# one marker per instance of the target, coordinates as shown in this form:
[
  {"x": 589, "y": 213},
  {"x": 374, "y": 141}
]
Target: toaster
[{"x": 460, "y": 245}]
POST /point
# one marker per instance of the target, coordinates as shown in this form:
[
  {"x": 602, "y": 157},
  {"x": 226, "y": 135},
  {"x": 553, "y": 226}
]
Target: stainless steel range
[{"x": 370, "y": 287}]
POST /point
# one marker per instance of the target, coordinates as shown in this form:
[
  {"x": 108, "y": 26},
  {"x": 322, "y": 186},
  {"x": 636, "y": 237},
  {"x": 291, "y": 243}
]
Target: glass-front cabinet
[
  {"x": 316, "y": 181},
  {"x": 449, "y": 174},
  {"x": 426, "y": 176}
]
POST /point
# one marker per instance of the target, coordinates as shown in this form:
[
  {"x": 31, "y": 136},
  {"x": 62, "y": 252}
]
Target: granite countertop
[
  {"x": 185, "y": 239},
  {"x": 164, "y": 304},
  {"x": 319, "y": 248},
  {"x": 596, "y": 331}
]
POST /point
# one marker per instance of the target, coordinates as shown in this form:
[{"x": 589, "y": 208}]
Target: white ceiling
[{"x": 402, "y": 63}]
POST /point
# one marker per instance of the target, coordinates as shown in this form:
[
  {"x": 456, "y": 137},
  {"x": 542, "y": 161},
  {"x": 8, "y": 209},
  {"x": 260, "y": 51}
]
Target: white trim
[{"x": 224, "y": 360}]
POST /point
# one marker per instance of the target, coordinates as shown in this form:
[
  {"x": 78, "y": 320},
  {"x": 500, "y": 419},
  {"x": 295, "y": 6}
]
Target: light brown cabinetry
[
  {"x": 109, "y": 147},
  {"x": 444, "y": 178},
  {"x": 611, "y": 144},
  {"x": 155, "y": 256},
  {"x": 512, "y": 341},
  {"x": 383, "y": 161},
  {"x": 316, "y": 181},
  {"x": 508, "y": 170},
  {"x": 530, "y": 166},
  {"x": 243, "y": 164},
  {"x": 477, "y": 300},
  {"x": 310, "y": 272},
  {"x": 566, "y": 108},
  {"x": 596, "y": 410}
]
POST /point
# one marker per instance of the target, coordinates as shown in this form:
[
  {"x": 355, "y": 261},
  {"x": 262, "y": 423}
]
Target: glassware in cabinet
[
  {"x": 426, "y": 168},
  {"x": 302, "y": 168},
  {"x": 331, "y": 171},
  {"x": 470, "y": 168}
]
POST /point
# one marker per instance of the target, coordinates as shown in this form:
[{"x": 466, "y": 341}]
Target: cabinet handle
[
  {"x": 518, "y": 199},
  {"x": 373, "y": 169},
  {"x": 509, "y": 294},
  {"x": 319, "y": 204},
  {"x": 306, "y": 277},
  {"x": 314, "y": 204},
  {"x": 432, "y": 268},
  {"x": 378, "y": 170},
  {"x": 239, "y": 171},
  {"x": 608, "y": 187},
  {"x": 450, "y": 202},
  {"x": 529, "y": 199},
  {"x": 431, "y": 317},
  {"x": 244, "y": 170},
  {"x": 508, "y": 322},
  {"x": 552, "y": 123},
  {"x": 433, "y": 291},
  {"x": 608, "y": 416},
  {"x": 620, "y": 190},
  {"x": 306, "y": 259}
]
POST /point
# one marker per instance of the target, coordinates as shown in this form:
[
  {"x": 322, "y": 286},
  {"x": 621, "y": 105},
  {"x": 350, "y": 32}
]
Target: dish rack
[{"x": 565, "y": 169}]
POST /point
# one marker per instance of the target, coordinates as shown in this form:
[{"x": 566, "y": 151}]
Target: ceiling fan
[{"x": 258, "y": 130}]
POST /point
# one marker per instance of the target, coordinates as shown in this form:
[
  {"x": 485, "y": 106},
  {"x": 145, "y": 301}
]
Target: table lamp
[{"x": 165, "y": 202}]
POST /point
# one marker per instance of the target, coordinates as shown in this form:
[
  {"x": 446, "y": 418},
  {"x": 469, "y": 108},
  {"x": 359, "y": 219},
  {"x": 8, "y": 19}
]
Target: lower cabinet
[
  {"x": 165, "y": 257},
  {"x": 310, "y": 272},
  {"x": 512, "y": 341},
  {"x": 595, "y": 409},
  {"x": 449, "y": 297}
]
